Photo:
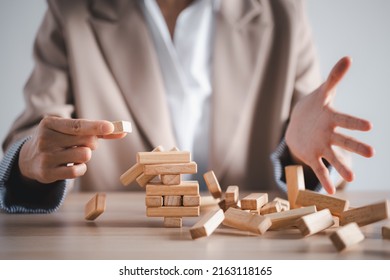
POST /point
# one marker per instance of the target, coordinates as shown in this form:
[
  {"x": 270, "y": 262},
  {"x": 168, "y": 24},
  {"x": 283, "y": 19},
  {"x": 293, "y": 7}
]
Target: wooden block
[
  {"x": 173, "y": 222},
  {"x": 284, "y": 204},
  {"x": 212, "y": 184},
  {"x": 122, "y": 127},
  {"x": 171, "y": 179},
  {"x": 95, "y": 206},
  {"x": 173, "y": 200},
  {"x": 254, "y": 201},
  {"x": 243, "y": 220},
  {"x": 209, "y": 200},
  {"x": 154, "y": 201},
  {"x": 171, "y": 168},
  {"x": 295, "y": 181},
  {"x": 136, "y": 173},
  {"x": 191, "y": 200},
  {"x": 335, "y": 205},
  {"x": 172, "y": 211},
  {"x": 386, "y": 232},
  {"x": 231, "y": 194},
  {"x": 208, "y": 224},
  {"x": 315, "y": 222},
  {"x": 185, "y": 188},
  {"x": 225, "y": 205},
  {"x": 174, "y": 149},
  {"x": 163, "y": 157},
  {"x": 131, "y": 174},
  {"x": 270, "y": 207},
  {"x": 346, "y": 236},
  {"x": 288, "y": 218},
  {"x": 366, "y": 215}
]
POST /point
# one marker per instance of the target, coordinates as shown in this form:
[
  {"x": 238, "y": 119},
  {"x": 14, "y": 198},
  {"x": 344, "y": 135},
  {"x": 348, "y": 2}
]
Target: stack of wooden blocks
[{"x": 168, "y": 197}]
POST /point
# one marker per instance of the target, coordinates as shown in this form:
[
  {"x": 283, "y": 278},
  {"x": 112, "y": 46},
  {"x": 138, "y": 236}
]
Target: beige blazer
[{"x": 96, "y": 60}]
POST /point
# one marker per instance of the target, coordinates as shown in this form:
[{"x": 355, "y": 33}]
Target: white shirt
[{"x": 185, "y": 64}]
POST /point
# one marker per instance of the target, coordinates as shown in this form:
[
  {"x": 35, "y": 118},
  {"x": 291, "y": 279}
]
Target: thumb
[{"x": 338, "y": 72}]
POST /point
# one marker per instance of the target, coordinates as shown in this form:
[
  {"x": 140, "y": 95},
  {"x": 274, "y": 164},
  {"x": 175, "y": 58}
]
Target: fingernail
[{"x": 106, "y": 128}]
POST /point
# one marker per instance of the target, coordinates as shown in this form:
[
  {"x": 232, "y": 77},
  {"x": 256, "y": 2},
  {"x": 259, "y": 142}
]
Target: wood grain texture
[
  {"x": 231, "y": 194},
  {"x": 295, "y": 181},
  {"x": 346, "y": 236},
  {"x": 270, "y": 207},
  {"x": 246, "y": 221},
  {"x": 212, "y": 184},
  {"x": 171, "y": 179},
  {"x": 322, "y": 201},
  {"x": 163, "y": 157},
  {"x": 315, "y": 222},
  {"x": 191, "y": 200},
  {"x": 289, "y": 218},
  {"x": 173, "y": 222},
  {"x": 366, "y": 214},
  {"x": 207, "y": 224},
  {"x": 173, "y": 200},
  {"x": 171, "y": 168},
  {"x": 154, "y": 201},
  {"x": 386, "y": 232},
  {"x": 172, "y": 211},
  {"x": 185, "y": 188},
  {"x": 254, "y": 201},
  {"x": 95, "y": 206}
]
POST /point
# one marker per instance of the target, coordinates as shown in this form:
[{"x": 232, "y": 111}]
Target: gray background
[{"x": 359, "y": 28}]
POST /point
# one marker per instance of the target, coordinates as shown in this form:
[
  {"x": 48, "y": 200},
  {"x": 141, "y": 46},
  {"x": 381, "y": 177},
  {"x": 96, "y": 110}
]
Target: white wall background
[{"x": 359, "y": 28}]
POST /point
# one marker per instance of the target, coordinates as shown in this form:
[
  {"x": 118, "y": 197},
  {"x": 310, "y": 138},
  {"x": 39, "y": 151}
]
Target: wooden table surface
[{"x": 124, "y": 232}]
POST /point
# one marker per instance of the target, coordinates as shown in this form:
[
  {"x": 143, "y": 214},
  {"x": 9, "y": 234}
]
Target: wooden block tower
[{"x": 170, "y": 197}]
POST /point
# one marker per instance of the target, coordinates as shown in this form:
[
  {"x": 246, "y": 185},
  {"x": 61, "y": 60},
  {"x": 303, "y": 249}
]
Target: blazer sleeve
[{"x": 47, "y": 92}]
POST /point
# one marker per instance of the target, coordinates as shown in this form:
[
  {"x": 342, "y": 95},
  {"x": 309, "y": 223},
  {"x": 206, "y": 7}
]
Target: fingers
[
  {"x": 351, "y": 122},
  {"x": 78, "y": 127},
  {"x": 338, "y": 163},
  {"x": 322, "y": 174},
  {"x": 337, "y": 73},
  {"x": 352, "y": 145}
]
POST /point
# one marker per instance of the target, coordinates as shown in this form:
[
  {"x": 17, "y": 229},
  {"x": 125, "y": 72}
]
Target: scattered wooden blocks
[
  {"x": 289, "y": 218},
  {"x": 163, "y": 157},
  {"x": 95, "y": 206},
  {"x": 254, "y": 201},
  {"x": 208, "y": 224},
  {"x": 386, "y": 232},
  {"x": 173, "y": 222},
  {"x": 243, "y": 220},
  {"x": 366, "y": 215},
  {"x": 212, "y": 184},
  {"x": 270, "y": 207},
  {"x": 315, "y": 222},
  {"x": 295, "y": 181},
  {"x": 335, "y": 205},
  {"x": 346, "y": 236},
  {"x": 122, "y": 127}
]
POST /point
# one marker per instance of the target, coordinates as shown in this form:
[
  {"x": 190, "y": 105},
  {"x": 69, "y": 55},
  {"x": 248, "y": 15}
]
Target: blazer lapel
[
  {"x": 123, "y": 37},
  {"x": 242, "y": 43}
]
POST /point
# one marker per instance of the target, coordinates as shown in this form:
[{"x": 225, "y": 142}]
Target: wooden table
[{"x": 124, "y": 232}]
